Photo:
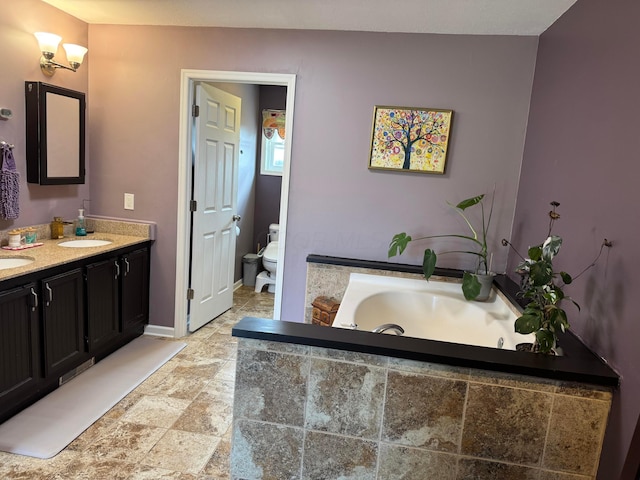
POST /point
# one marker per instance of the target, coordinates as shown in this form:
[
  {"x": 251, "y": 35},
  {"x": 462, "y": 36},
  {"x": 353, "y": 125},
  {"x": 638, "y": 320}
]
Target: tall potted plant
[
  {"x": 542, "y": 287},
  {"x": 476, "y": 285}
]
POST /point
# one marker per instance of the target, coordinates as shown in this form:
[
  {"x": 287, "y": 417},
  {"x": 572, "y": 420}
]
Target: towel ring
[{"x": 5, "y": 145}]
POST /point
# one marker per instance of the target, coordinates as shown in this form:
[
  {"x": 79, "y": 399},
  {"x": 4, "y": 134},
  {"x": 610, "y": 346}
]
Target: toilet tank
[{"x": 274, "y": 232}]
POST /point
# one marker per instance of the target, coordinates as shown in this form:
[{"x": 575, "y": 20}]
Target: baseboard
[{"x": 159, "y": 331}]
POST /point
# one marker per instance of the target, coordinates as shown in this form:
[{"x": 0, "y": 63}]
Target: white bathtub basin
[
  {"x": 433, "y": 310},
  {"x": 15, "y": 262},
  {"x": 89, "y": 242}
]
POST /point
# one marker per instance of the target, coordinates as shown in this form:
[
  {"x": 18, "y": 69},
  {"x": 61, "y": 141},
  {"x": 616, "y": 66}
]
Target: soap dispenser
[{"x": 81, "y": 230}]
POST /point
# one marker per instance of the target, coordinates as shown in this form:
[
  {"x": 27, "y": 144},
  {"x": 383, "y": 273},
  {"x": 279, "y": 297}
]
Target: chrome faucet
[{"x": 389, "y": 326}]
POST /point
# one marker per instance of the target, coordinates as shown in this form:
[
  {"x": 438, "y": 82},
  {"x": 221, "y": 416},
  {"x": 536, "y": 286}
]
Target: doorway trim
[{"x": 188, "y": 78}]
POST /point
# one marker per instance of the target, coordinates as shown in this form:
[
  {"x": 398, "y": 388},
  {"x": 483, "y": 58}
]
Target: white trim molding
[{"x": 159, "y": 331}]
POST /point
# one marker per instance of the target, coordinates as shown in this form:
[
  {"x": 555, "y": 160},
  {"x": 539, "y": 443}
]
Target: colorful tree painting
[{"x": 413, "y": 139}]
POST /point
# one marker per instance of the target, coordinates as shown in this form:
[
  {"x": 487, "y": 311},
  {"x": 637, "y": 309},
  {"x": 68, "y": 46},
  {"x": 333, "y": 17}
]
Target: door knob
[{"x": 236, "y": 218}]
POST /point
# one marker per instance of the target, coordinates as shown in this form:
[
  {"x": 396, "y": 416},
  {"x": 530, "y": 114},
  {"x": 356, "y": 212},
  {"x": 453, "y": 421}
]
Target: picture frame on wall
[{"x": 410, "y": 139}]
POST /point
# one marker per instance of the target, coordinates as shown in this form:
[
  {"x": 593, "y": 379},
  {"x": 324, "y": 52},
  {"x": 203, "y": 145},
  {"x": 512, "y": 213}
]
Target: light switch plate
[{"x": 128, "y": 201}]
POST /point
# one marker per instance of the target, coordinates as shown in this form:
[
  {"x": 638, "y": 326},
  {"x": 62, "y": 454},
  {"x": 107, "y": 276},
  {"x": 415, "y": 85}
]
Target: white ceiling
[{"x": 481, "y": 17}]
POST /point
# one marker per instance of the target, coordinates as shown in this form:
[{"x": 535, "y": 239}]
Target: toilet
[{"x": 269, "y": 261}]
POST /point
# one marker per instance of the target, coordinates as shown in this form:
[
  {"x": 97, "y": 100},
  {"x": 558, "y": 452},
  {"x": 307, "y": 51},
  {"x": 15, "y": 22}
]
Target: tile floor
[{"x": 175, "y": 425}]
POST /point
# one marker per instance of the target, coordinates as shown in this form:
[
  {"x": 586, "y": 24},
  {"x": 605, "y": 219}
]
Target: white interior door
[{"x": 215, "y": 191}]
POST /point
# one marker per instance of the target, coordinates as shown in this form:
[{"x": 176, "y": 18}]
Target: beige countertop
[{"x": 50, "y": 254}]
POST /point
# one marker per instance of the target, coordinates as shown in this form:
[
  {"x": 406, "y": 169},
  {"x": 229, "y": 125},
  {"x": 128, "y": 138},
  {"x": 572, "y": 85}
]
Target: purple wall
[
  {"x": 336, "y": 205},
  {"x": 268, "y": 186},
  {"x": 21, "y": 61},
  {"x": 581, "y": 150}
]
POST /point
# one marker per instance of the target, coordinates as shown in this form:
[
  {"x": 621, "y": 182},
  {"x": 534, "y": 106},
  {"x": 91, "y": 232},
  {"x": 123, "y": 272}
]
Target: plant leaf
[
  {"x": 470, "y": 286},
  {"x": 429, "y": 263},
  {"x": 535, "y": 253},
  {"x": 564, "y": 322},
  {"x": 566, "y": 278},
  {"x": 546, "y": 340},
  {"x": 523, "y": 267},
  {"x": 541, "y": 273},
  {"x": 527, "y": 324},
  {"x": 557, "y": 318},
  {"x": 469, "y": 202},
  {"x": 551, "y": 247},
  {"x": 574, "y": 302},
  {"x": 532, "y": 309},
  {"x": 398, "y": 244},
  {"x": 551, "y": 296}
]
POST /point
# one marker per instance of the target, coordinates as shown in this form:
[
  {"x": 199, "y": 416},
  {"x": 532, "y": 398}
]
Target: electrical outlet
[{"x": 128, "y": 201}]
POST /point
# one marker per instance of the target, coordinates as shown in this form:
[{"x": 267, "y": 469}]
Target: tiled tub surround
[
  {"x": 308, "y": 412},
  {"x": 121, "y": 234},
  {"x": 313, "y": 402}
]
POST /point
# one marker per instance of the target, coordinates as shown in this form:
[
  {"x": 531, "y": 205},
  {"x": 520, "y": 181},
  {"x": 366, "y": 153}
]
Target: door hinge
[
  {"x": 190, "y": 294},
  {"x": 195, "y": 110},
  {"x": 193, "y": 205}
]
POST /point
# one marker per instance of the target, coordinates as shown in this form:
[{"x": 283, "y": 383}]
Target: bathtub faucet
[{"x": 389, "y": 326}]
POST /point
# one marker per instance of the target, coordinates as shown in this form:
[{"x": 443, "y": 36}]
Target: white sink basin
[
  {"x": 15, "y": 262},
  {"x": 89, "y": 242}
]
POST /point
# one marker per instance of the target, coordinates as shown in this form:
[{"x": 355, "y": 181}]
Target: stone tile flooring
[{"x": 175, "y": 425}]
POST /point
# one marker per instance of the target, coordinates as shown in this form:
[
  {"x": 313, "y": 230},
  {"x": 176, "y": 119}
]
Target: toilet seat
[
  {"x": 270, "y": 253},
  {"x": 270, "y": 262}
]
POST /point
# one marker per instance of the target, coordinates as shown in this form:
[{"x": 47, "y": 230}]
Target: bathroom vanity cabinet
[
  {"x": 56, "y": 321},
  {"x": 117, "y": 300},
  {"x": 20, "y": 371},
  {"x": 62, "y": 322},
  {"x": 103, "y": 300},
  {"x": 135, "y": 289}
]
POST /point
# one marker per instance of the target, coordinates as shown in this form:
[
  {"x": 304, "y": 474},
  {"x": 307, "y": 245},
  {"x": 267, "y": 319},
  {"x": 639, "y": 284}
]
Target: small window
[
  {"x": 273, "y": 135},
  {"x": 272, "y": 160}
]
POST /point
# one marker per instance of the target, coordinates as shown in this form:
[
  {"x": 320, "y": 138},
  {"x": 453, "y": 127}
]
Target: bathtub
[{"x": 433, "y": 310}]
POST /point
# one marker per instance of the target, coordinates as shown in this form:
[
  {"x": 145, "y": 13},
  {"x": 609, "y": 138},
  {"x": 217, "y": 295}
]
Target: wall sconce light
[{"x": 49, "y": 47}]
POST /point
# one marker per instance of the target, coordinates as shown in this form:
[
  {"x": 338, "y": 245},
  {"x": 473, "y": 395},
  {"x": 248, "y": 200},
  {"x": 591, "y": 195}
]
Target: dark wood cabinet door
[
  {"x": 19, "y": 345},
  {"x": 135, "y": 289},
  {"x": 103, "y": 317},
  {"x": 63, "y": 322}
]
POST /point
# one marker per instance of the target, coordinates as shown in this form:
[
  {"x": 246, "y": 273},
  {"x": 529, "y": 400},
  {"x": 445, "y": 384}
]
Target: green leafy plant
[
  {"x": 543, "y": 288},
  {"x": 478, "y": 237}
]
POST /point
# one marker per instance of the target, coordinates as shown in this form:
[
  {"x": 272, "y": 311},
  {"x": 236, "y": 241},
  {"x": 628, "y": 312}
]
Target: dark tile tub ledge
[{"x": 579, "y": 364}]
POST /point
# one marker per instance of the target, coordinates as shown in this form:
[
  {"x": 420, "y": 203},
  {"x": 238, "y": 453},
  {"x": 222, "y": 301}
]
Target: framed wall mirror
[{"x": 55, "y": 124}]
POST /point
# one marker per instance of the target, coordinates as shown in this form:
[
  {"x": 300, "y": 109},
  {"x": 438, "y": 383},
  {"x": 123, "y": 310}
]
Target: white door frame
[{"x": 188, "y": 78}]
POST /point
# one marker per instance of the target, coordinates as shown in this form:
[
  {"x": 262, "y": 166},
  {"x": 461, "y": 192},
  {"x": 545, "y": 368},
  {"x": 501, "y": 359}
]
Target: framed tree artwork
[{"x": 410, "y": 139}]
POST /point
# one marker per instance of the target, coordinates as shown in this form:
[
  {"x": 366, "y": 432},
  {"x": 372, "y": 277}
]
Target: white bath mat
[{"x": 49, "y": 425}]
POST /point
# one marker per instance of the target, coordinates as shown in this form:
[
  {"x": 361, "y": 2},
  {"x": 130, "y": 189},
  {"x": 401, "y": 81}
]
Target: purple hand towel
[{"x": 9, "y": 186}]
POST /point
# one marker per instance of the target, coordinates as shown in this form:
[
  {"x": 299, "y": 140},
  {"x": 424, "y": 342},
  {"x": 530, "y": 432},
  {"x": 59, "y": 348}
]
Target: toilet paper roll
[{"x": 237, "y": 231}]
